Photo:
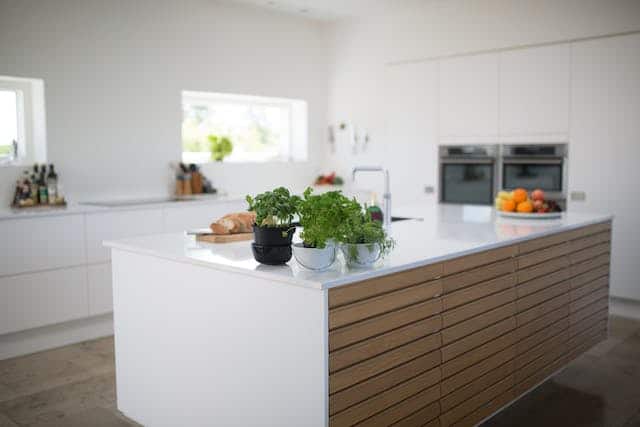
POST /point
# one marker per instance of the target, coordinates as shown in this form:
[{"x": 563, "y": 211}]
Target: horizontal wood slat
[
  {"x": 588, "y": 299},
  {"x": 537, "y": 257},
  {"x": 384, "y": 303},
  {"x": 372, "y": 287},
  {"x": 589, "y": 276},
  {"x": 542, "y": 309},
  {"x": 542, "y": 269},
  {"x": 480, "y": 274},
  {"x": 589, "y": 322},
  {"x": 590, "y": 287},
  {"x": 590, "y": 264},
  {"x": 476, "y": 355},
  {"x": 364, "y": 390},
  {"x": 474, "y": 324},
  {"x": 370, "y": 367},
  {"x": 542, "y": 335},
  {"x": 477, "y": 339},
  {"x": 475, "y": 260},
  {"x": 478, "y": 291},
  {"x": 489, "y": 408},
  {"x": 543, "y": 282},
  {"x": 482, "y": 305},
  {"x": 525, "y": 303},
  {"x": 586, "y": 311},
  {"x": 372, "y": 347},
  {"x": 592, "y": 240},
  {"x": 551, "y": 342},
  {"x": 592, "y": 252},
  {"x": 404, "y": 408},
  {"x": 339, "y": 338},
  {"x": 429, "y": 414}
]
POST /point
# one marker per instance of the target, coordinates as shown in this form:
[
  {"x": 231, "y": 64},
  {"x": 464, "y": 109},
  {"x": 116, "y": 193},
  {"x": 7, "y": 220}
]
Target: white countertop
[
  {"x": 446, "y": 231},
  {"x": 84, "y": 208}
]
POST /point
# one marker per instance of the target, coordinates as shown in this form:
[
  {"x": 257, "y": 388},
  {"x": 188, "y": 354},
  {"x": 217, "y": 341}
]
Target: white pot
[
  {"x": 313, "y": 258},
  {"x": 361, "y": 254}
]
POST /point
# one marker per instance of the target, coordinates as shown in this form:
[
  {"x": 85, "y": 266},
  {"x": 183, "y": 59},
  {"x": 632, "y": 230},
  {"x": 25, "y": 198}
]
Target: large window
[
  {"x": 10, "y": 106},
  {"x": 259, "y": 129}
]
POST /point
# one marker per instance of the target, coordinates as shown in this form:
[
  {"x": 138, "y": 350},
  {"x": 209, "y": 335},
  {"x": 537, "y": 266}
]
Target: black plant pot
[
  {"x": 273, "y": 236},
  {"x": 271, "y": 255}
]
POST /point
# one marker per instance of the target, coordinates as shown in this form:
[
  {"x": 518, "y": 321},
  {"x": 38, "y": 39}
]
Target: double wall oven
[{"x": 475, "y": 173}]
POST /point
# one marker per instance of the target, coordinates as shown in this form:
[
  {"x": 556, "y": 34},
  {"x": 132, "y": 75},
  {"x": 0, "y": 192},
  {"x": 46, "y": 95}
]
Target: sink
[{"x": 133, "y": 202}]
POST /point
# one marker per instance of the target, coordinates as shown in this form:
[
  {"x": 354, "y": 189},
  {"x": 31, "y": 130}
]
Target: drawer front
[
  {"x": 38, "y": 299},
  {"x": 477, "y": 339},
  {"x": 588, "y": 253},
  {"x": 538, "y": 257},
  {"x": 477, "y": 355},
  {"x": 543, "y": 269},
  {"x": 100, "y": 289},
  {"x": 41, "y": 243},
  {"x": 544, "y": 282},
  {"x": 475, "y": 324},
  {"x": 480, "y": 274},
  {"x": 475, "y": 308},
  {"x": 477, "y": 291},
  {"x": 483, "y": 258}
]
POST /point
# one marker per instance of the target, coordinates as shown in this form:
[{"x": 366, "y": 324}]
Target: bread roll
[{"x": 239, "y": 222}]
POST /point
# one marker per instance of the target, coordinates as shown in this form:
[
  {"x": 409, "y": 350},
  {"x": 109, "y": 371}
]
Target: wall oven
[
  {"x": 535, "y": 166},
  {"x": 468, "y": 173}
]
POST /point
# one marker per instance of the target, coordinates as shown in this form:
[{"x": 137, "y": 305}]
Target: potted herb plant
[
  {"x": 272, "y": 232},
  {"x": 220, "y": 147},
  {"x": 320, "y": 217},
  {"x": 364, "y": 241}
]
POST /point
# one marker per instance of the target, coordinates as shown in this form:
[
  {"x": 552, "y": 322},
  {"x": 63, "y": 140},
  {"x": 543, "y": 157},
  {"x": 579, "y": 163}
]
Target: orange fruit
[
  {"x": 508, "y": 205},
  {"x": 525, "y": 207},
  {"x": 519, "y": 195}
]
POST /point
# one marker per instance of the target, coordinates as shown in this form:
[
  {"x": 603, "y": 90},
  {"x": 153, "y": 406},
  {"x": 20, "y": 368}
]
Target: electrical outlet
[
  {"x": 428, "y": 189},
  {"x": 578, "y": 196}
]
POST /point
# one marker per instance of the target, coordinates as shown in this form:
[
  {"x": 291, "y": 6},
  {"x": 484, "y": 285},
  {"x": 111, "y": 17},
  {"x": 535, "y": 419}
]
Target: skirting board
[{"x": 48, "y": 337}]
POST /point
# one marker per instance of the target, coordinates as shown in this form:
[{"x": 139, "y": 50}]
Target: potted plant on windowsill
[
  {"x": 364, "y": 241},
  {"x": 320, "y": 217},
  {"x": 220, "y": 147},
  {"x": 272, "y": 232}
]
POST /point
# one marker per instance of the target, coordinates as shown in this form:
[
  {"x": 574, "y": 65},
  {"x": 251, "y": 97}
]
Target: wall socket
[
  {"x": 578, "y": 196},
  {"x": 428, "y": 189}
]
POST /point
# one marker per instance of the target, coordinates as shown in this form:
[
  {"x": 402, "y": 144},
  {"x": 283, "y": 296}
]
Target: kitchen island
[{"x": 468, "y": 313}]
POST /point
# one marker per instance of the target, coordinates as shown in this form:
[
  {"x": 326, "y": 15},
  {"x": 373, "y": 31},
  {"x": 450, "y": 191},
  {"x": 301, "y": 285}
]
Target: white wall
[{"x": 113, "y": 74}]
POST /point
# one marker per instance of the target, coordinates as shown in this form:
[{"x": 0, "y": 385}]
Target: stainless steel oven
[
  {"x": 541, "y": 166},
  {"x": 468, "y": 173}
]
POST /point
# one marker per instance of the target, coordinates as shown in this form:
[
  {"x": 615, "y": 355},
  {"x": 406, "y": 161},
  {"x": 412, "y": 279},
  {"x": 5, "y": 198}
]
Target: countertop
[
  {"x": 88, "y": 207},
  {"x": 444, "y": 232}
]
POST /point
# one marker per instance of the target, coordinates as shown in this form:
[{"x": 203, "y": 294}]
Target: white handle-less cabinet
[
  {"x": 534, "y": 94},
  {"x": 468, "y": 106}
]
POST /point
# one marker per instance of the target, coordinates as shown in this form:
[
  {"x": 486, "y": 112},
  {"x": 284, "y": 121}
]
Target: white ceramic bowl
[
  {"x": 313, "y": 258},
  {"x": 361, "y": 254}
]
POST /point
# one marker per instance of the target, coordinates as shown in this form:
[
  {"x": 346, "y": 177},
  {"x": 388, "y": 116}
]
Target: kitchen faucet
[{"x": 387, "y": 189}]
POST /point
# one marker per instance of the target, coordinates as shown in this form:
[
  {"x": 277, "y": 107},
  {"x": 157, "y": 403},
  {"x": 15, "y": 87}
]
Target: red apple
[
  {"x": 537, "y": 194},
  {"x": 538, "y": 205}
]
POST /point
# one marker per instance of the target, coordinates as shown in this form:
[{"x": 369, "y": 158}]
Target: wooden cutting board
[{"x": 224, "y": 238}]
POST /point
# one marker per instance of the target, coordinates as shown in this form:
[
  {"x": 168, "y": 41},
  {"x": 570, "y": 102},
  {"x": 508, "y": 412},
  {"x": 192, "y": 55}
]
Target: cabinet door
[
  {"x": 534, "y": 94},
  {"x": 198, "y": 215},
  {"x": 42, "y": 243},
  {"x": 38, "y": 299},
  {"x": 100, "y": 289},
  {"x": 118, "y": 225},
  {"x": 469, "y": 99}
]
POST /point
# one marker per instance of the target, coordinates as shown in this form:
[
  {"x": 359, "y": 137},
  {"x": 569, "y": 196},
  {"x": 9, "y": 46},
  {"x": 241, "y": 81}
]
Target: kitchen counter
[{"x": 442, "y": 232}]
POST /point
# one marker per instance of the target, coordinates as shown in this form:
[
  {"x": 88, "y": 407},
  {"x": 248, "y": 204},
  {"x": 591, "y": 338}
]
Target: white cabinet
[
  {"x": 534, "y": 94},
  {"x": 118, "y": 225},
  {"x": 100, "y": 290},
  {"x": 37, "y": 299},
  {"x": 41, "y": 243},
  {"x": 200, "y": 215},
  {"x": 468, "y": 106}
]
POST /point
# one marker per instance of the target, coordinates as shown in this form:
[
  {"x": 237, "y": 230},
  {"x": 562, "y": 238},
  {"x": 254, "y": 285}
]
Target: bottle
[
  {"x": 52, "y": 185},
  {"x": 34, "y": 184},
  {"x": 42, "y": 187},
  {"x": 374, "y": 210}
]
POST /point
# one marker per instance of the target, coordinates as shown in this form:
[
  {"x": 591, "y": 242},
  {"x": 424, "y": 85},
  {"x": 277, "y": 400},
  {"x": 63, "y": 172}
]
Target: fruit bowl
[
  {"x": 520, "y": 203},
  {"x": 545, "y": 215}
]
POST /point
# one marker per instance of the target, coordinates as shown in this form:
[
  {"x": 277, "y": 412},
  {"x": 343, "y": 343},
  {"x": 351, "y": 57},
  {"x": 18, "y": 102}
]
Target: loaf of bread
[{"x": 239, "y": 222}]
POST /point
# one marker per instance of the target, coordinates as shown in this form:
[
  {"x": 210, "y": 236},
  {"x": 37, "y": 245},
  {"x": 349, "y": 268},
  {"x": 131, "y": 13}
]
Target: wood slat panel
[
  {"x": 545, "y": 242},
  {"x": 589, "y": 322},
  {"x": 468, "y": 406},
  {"x": 478, "y": 354},
  {"x": 587, "y": 334},
  {"x": 543, "y": 282},
  {"x": 429, "y": 413},
  {"x": 372, "y": 287},
  {"x": 385, "y": 399},
  {"x": 384, "y": 303},
  {"x": 583, "y": 346},
  {"x": 480, "y": 290},
  {"x": 542, "y": 348},
  {"x": 592, "y": 252},
  {"x": 589, "y": 276},
  {"x": 370, "y": 367},
  {"x": 523, "y": 304},
  {"x": 588, "y": 299},
  {"x": 595, "y": 228},
  {"x": 372, "y": 347},
  {"x": 477, "y": 323},
  {"x": 484, "y": 411},
  {"x": 543, "y": 255},
  {"x": 482, "y": 305},
  {"x": 588, "y": 310},
  {"x": 477, "y": 275},
  {"x": 404, "y": 408},
  {"x": 590, "y": 287},
  {"x": 542, "y": 309},
  {"x": 447, "y": 402},
  {"x": 590, "y": 264},
  {"x": 552, "y": 353},
  {"x": 592, "y": 240},
  {"x": 465, "y": 376},
  {"x": 542, "y": 269},
  {"x": 541, "y": 336},
  {"x": 339, "y": 338},
  {"x": 533, "y": 380},
  {"x": 540, "y": 323},
  {"x": 475, "y": 260},
  {"x": 477, "y": 339},
  {"x": 364, "y": 390}
]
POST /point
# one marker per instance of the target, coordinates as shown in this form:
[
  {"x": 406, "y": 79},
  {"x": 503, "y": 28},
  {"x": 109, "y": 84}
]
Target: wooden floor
[{"x": 75, "y": 386}]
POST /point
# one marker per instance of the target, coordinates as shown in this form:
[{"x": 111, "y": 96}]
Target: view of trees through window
[
  {"x": 259, "y": 129},
  {"x": 8, "y": 122}
]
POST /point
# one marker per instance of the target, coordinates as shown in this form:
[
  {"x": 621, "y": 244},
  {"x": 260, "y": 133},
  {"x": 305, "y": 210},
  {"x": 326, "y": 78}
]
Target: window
[
  {"x": 260, "y": 129},
  {"x": 22, "y": 121}
]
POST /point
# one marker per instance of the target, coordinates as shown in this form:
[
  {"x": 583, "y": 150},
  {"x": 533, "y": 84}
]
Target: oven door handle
[
  {"x": 511, "y": 161},
  {"x": 453, "y": 161}
]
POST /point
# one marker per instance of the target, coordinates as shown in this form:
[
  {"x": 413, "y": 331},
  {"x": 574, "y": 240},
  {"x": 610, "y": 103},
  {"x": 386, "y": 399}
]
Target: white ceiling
[{"x": 325, "y": 10}]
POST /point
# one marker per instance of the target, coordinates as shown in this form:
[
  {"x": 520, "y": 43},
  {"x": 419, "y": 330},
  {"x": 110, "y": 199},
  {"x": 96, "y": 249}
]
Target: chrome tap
[{"x": 387, "y": 189}]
